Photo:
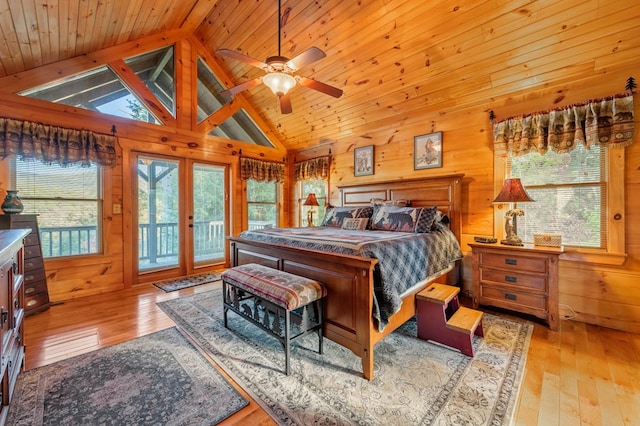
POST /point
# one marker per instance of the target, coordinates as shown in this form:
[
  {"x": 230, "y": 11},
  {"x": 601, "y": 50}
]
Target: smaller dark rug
[
  {"x": 174, "y": 284},
  {"x": 155, "y": 379}
]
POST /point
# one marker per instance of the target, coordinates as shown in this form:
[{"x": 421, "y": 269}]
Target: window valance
[
  {"x": 315, "y": 168},
  {"x": 260, "y": 170},
  {"x": 52, "y": 144},
  {"x": 606, "y": 121}
]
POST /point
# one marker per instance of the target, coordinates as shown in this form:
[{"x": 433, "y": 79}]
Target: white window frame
[
  {"x": 276, "y": 203},
  {"x": 99, "y": 212},
  {"x": 614, "y": 254}
]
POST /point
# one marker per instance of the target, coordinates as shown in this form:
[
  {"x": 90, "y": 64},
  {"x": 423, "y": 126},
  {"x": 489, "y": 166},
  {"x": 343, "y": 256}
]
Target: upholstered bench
[{"x": 284, "y": 305}]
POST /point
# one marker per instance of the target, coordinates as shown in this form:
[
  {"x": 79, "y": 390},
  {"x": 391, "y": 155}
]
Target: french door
[{"x": 181, "y": 215}]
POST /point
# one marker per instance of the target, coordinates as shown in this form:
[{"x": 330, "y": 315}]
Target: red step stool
[{"x": 441, "y": 318}]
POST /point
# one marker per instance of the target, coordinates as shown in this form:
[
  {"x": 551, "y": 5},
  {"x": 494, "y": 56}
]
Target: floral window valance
[
  {"x": 316, "y": 168},
  {"x": 260, "y": 170},
  {"x": 606, "y": 121},
  {"x": 52, "y": 144}
]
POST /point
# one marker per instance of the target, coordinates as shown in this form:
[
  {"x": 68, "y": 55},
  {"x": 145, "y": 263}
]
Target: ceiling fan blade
[
  {"x": 285, "y": 104},
  {"x": 305, "y": 58},
  {"x": 240, "y": 87},
  {"x": 320, "y": 87},
  {"x": 241, "y": 57}
]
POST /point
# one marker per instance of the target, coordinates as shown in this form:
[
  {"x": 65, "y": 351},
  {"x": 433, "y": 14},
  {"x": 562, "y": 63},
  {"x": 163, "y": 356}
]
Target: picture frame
[
  {"x": 363, "y": 161},
  {"x": 427, "y": 151}
]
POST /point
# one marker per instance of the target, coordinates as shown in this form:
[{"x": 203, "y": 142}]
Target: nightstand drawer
[
  {"x": 518, "y": 262},
  {"x": 528, "y": 281},
  {"x": 511, "y": 300}
]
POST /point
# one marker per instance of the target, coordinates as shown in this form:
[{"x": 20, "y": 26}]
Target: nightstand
[{"x": 521, "y": 279}]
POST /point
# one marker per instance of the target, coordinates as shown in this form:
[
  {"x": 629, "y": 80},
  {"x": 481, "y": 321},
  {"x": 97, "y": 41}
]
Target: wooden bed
[{"x": 349, "y": 279}]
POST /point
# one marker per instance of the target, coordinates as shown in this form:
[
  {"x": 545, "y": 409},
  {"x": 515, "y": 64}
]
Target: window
[
  {"x": 579, "y": 195},
  {"x": 68, "y": 202},
  {"x": 262, "y": 204},
  {"x": 318, "y": 187},
  {"x": 570, "y": 193}
]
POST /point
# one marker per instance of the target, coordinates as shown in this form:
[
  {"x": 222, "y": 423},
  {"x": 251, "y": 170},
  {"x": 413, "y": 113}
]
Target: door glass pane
[
  {"x": 208, "y": 213},
  {"x": 158, "y": 231}
]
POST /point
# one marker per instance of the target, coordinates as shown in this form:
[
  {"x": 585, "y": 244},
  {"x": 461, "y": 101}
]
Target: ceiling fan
[{"x": 279, "y": 72}]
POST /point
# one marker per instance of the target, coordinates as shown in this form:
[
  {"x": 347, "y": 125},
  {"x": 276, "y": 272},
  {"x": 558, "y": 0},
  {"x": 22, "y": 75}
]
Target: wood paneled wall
[{"x": 598, "y": 294}]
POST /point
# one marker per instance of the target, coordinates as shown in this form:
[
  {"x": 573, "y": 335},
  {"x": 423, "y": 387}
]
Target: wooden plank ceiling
[{"x": 396, "y": 60}]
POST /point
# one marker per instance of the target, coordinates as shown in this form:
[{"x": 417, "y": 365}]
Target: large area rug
[
  {"x": 416, "y": 382},
  {"x": 174, "y": 284},
  {"x": 156, "y": 379}
]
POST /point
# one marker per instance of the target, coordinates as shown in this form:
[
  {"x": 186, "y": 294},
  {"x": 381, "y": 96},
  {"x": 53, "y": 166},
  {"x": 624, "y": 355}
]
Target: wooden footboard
[
  {"x": 349, "y": 279},
  {"x": 349, "y": 282}
]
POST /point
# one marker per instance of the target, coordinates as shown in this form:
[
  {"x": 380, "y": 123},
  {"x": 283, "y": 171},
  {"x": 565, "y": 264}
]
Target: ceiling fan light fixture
[{"x": 279, "y": 83}]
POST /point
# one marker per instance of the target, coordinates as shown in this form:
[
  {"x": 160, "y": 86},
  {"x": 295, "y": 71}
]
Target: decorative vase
[{"x": 12, "y": 203}]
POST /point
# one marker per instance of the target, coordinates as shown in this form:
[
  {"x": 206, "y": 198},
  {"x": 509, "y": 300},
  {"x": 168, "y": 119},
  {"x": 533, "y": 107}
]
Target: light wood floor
[{"x": 580, "y": 375}]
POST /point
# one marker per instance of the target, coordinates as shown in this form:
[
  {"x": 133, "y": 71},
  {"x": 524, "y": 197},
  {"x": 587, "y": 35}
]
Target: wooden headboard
[{"x": 442, "y": 191}]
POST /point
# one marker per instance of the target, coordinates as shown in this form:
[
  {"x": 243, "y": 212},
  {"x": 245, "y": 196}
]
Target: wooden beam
[
  {"x": 142, "y": 92},
  {"x": 61, "y": 70}
]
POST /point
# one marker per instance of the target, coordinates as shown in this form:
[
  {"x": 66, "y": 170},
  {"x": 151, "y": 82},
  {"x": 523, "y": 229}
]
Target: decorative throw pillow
[
  {"x": 334, "y": 216},
  {"x": 355, "y": 224},
  {"x": 393, "y": 218},
  {"x": 381, "y": 202},
  {"x": 425, "y": 220},
  {"x": 441, "y": 218}
]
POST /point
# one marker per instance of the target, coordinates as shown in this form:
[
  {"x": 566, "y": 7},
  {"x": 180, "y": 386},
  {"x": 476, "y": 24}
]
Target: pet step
[
  {"x": 465, "y": 320},
  {"x": 439, "y": 293}
]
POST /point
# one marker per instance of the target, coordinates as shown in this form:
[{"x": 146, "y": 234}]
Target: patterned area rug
[
  {"x": 186, "y": 282},
  {"x": 156, "y": 379},
  {"x": 416, "y": 382}
]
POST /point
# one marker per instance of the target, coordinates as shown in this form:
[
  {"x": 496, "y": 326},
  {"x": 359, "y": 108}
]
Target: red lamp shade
[
  {"x": 512, "y": 192},
  {"x": 311, "y": 200}
]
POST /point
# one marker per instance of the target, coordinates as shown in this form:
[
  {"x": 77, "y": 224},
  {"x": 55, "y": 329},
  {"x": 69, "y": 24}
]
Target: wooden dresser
[
  {"x": 522, "y": 279},
  {"x": 11, "y": 314},
  {"x": 35, "y": 280}
]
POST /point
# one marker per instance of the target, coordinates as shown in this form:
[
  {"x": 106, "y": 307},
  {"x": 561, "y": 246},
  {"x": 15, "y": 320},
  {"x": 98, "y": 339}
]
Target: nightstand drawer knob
[
  {"x": 511, "y": 296},
  {"x": 510, "y": 279},
  {"x": 511, "y": 261}
]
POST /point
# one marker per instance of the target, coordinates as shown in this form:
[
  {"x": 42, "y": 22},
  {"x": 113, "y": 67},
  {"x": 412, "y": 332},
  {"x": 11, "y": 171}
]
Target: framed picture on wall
[
  {"x": 427, "y": 151},
  {"x": 363, "y": 161}
]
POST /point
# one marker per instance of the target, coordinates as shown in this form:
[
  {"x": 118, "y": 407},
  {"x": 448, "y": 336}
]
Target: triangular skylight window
[
  {"x": 96, "y": 90},
  {"x": 240, "y": 126},
  {"x": 156, "y": 71}
]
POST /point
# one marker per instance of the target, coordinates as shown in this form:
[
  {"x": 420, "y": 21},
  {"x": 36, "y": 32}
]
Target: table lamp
[
  {"x": 311, "y": 201},
  {"x": 512, "y": 192}
]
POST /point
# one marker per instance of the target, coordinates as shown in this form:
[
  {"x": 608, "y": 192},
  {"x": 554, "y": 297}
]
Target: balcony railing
[{"x": 153, "y": 246}]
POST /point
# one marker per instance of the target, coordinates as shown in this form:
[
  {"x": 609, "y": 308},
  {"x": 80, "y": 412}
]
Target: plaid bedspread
[{"x": 403, "y": 258}]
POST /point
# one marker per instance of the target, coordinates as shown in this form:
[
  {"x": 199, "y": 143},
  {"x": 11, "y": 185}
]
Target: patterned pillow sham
[
  {"x": 393, "y": 218},
  {"x": 426, "y": 219},
  {"x": 403, "y": 219},
  {"x": 334, "y": 216},
  {"x": 355, "y": 224}
]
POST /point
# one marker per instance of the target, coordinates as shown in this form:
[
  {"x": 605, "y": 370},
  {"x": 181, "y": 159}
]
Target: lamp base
[{"x": 512, "y": 241}]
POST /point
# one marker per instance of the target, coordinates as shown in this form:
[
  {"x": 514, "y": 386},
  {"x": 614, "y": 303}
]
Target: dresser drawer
[
  {"x": 36, "y": 301},
  {"x": 31, "y": 263},
  {"x": 33, "y": 276},
  {"x": 35, "y": 287},
  {"x": 32, "y": 239},
  {"x": 512, "y": 299},
  {"x": 514, "y": 262},
  {"x": 512, "y": 278},
  {"x": 32, "y": 251}
]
